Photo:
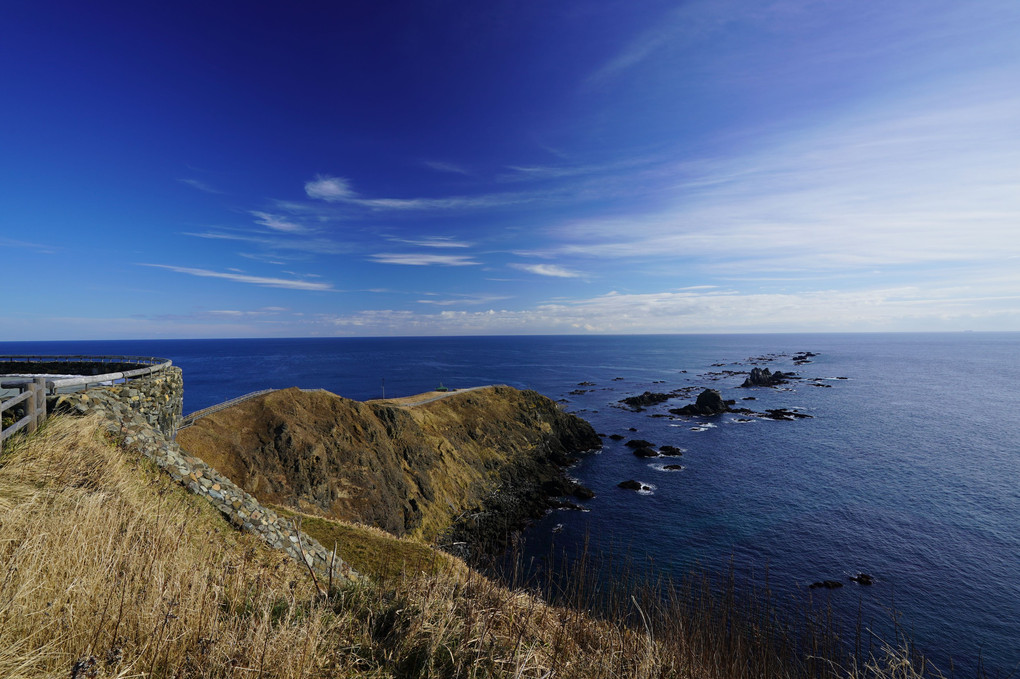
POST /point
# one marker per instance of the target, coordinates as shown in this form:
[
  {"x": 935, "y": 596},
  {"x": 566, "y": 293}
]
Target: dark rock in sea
[
  {"x": 645, "y": 452},
  {"x": 583, "y": 492},
  {"x": 710, "y": 402},
  {"x": 820, "y": 384},
  {"x": 826, "y": 584},
  {"x": 631, "y": 428},
  {"x": 670, "y": 451},
  {"x": 586, "y": 384},
  {"x": 648, "y": 398},
  {"x": 749, "y": 398},
  {"x": 766, "y": 378},
  {"x": 630, "y": 485},
  {"x": 601, "y": 435},
  {"x": 617, "y": 379},
  {"x": 783, "y": 414},
  {"x": 673, "y": 467},
  {"x": 863, "y": 579},
  {"x": 639, "y": 443},
  {"x": 616, "y": 437}
]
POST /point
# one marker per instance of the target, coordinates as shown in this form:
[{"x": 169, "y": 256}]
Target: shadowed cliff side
[{"x": 469, "y": 467}]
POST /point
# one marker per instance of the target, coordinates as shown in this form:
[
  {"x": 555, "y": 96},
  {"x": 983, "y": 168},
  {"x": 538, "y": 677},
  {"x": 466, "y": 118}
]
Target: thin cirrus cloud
[
  {"x": 441, "y": 166},
  {"x": 433, "y": 242},
  {"x": 415, "y": 259},
  {"x": 277, "y": 222},
  {"x": 338, "y": 190},
  {"x": 278, "y": 242},
  {"x": 546, "y": 270},
  {"x": 266, "y": 282},
  {"x": 930, "y": 181},
  {"x": 695, "y": 311},
  {"x": 464, "y": 300},
  {"x": 200, "y": 185}
]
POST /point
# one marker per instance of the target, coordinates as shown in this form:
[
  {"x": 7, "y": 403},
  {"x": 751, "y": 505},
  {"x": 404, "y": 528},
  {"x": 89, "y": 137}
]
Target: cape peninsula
[{"x": 459, "y": 467}]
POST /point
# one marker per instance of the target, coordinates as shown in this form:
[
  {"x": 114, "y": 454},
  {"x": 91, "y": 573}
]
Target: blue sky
[{"x": 222, "y": 169}]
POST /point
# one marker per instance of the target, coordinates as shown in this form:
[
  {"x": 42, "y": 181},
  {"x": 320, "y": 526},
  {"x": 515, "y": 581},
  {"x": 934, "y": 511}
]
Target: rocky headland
[{"x": 466, "y": 470}]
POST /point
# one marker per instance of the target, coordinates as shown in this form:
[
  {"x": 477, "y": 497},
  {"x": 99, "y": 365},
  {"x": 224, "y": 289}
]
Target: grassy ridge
[{"x": 107, "y": 569}]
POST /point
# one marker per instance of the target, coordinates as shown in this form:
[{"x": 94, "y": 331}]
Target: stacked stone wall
[
  {"x": 157, "y": 398},
  {"x": 143, "y": 419}
]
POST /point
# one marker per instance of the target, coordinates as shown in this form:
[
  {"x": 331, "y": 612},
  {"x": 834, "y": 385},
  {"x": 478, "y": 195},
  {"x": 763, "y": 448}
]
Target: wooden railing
[
  {"x": 33, "y": 395},
  {"x": 32, "y": 391},
  {"x": 151, "y": 364}
]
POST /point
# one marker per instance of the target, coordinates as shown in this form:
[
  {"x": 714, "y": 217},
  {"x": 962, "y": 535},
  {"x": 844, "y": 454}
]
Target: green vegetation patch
[{"x": 371, "y": 551}]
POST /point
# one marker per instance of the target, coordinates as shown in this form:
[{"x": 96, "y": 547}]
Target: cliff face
[{"x": 468, "y": 466}]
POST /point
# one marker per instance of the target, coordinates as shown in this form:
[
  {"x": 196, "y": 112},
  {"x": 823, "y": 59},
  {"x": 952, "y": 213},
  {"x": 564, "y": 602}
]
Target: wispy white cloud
[
  {"x": 433, "y": 242},
  {"x": 414, "y": 259},
  {"x": 878, "y": 309},
  {"x": 328, "y": 188},
  {"x": 266, "y": 282},
  {"x": 277, "y": 222},
  {"x": 564, "y": 171},
  {"x": 26, "y": 245},
  {"x": 277, "y": 243},
  {"x": 250, "y": 313},
  {"x": 464, "y": 300},
  {"x": 691, "y": 20},
  {"x": 200, "y": 185},
  {"x": 338, "y": 190},
  {"x": 441, "y": 166},
  {"x": 928, "y": 181},
  {"x": 546, "y": 270}
]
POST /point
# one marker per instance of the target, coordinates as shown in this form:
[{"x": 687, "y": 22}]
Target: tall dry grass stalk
[{"x": 108, "y": 569}]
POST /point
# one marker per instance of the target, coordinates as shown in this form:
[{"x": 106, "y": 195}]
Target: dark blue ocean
[{"x": 909, "y": 469}]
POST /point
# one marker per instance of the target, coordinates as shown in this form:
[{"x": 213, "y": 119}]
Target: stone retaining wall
[
  {"x": 135, "y": 416},
  {"x": 158, "y": 398}
]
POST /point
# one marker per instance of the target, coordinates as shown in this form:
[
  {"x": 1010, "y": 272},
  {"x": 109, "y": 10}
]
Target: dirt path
[{"x": 417, "y": 400}]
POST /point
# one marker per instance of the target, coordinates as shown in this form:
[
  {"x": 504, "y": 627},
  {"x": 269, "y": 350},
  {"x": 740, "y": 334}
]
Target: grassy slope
[{"x": 107, "y": 569}]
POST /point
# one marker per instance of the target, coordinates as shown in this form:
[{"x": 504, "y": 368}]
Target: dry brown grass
[{"x": 108, "y": 569}]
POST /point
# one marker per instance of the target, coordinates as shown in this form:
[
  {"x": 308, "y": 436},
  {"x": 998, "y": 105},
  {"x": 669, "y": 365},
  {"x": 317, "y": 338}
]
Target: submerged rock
[{"x": 826, "y": 584}]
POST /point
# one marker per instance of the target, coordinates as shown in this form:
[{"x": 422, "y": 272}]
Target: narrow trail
[{"x": 447, "y": 394}]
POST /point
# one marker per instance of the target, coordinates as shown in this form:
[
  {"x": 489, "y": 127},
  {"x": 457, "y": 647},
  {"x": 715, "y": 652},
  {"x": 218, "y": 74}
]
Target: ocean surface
[{"x": 908, "y": 469}]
